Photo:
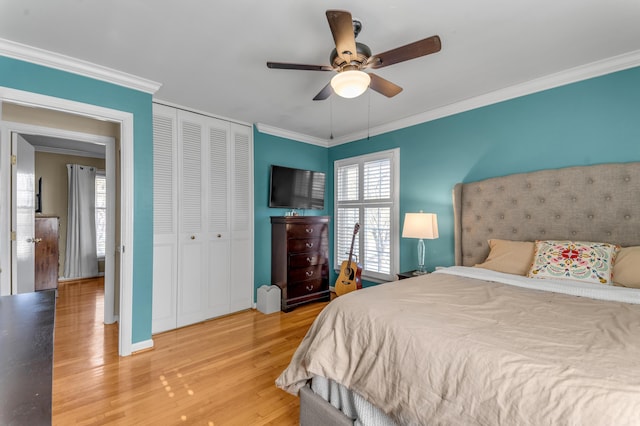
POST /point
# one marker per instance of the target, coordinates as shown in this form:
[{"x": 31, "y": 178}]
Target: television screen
[{"x": 296, "y": 188}]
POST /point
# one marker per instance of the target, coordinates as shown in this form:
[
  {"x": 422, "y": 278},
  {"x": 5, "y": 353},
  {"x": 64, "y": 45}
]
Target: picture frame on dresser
[{"x": 300, "y": 259}]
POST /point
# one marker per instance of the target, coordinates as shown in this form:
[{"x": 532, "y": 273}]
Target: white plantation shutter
[
  {"x": 377, "y": 180},
  {"x": 347, "y": 183},
  {"x": 366, "y": 192},
  {"x": 377, "y": 239},
  {"x": 346, "y": 218}
]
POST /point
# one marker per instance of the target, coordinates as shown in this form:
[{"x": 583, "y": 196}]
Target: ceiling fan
[{"x": 350, "y": 58}]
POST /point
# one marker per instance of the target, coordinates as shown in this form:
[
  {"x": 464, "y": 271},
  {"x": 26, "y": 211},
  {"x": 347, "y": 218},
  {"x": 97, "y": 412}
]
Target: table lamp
[{"x": 420, "y": 225}]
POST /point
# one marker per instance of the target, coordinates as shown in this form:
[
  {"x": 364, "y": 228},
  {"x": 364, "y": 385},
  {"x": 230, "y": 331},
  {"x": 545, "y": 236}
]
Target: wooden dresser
[
  {"x": 46, "y": 252},
  {"x": 300, "y": 259}
]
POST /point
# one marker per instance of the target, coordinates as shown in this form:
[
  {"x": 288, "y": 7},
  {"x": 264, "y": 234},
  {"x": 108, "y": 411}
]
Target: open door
[{"x": 23, "y": 216}]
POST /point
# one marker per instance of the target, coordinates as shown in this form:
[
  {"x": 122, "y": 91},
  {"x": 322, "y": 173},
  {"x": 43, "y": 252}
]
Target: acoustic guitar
[{"x": 350, "y": 271}]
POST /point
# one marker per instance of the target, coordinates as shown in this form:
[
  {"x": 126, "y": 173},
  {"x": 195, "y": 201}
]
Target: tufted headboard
[{"x": 587, "y": 203}]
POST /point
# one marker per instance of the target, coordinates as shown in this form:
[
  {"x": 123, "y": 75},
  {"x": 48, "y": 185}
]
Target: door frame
[
  {"x": 109, "y": 144},
  {"x": 125, "y": 120}
]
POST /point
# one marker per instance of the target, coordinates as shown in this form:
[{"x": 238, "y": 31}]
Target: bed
[{"x": 513, "y": 340}]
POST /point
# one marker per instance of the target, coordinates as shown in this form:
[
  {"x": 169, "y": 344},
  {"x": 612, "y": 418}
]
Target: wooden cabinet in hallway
[{"x": 46, "y": 252}]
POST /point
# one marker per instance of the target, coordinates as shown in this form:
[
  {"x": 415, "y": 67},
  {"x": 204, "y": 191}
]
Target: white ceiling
[{"x": 211, "y": 55}]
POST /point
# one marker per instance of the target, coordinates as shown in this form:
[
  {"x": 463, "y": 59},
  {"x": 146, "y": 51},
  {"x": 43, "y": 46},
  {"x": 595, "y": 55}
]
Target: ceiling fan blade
[
  {"x": 410, "y": 51},
  {"x": 341, "y": 25},
  {"x": 383, "y": 86},
  {"x": 287, "y": 66},
  {"x": 324, "y": 93}
]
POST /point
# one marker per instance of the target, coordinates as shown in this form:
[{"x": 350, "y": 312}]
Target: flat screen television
[{"x": 296, "y": 188}]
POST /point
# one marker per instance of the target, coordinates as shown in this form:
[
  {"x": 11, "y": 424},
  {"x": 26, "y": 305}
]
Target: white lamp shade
[
  {"x": 350, "y": 84},
  {"x": 420, "y": 225}
]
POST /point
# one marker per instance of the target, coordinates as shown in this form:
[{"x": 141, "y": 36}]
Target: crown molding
[
  {"x": 199, "y": 112},
  {"x": 288, "y": 134},
  {"x": 572, "y": 75},
  {"x": 12, "y": 49}
]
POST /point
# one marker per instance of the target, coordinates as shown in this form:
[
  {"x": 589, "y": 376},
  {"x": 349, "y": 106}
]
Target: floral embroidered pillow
[{"x": 570, "y": 260}]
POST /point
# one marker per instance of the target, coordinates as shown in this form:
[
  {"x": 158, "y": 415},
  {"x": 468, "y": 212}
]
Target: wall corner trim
[{"x": 23, "y": 52}]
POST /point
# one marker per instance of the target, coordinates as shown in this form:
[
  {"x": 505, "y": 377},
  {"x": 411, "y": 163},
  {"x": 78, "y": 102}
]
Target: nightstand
[{"x": 407, "y": 274}]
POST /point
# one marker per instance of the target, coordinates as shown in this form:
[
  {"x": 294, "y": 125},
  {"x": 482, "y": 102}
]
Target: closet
[{"x": 203, "y": 217}]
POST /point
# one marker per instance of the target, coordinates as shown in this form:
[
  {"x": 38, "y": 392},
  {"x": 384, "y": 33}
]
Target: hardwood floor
[{"x": 220, "y": 372}]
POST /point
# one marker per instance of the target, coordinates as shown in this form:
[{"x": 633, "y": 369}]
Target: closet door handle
[{"x": 193, "y": 237}]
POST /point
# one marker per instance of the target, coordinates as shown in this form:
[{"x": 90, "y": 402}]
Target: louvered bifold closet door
[
  {"x": 242, "y": 219},
  {"x": 193, "y": 292},
  {"x": 203, "y": 218},
  {"x": 219, "y": 213},
  {"x": 165, "y": 218}
]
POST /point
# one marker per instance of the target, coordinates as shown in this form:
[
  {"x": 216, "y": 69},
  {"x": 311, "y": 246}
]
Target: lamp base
[{"x": 420, "y": 272}]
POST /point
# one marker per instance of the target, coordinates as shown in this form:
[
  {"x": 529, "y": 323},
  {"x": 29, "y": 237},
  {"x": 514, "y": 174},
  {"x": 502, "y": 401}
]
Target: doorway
[
  {"x": 97, "y": 116},
  {"x": 52, "y": 153}
]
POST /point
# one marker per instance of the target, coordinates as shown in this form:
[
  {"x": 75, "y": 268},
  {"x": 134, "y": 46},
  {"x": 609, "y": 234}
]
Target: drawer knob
[
  {"x": 309, "y": 230},
  {"x": 308, "y": 260},
  {"x": 309, "y": 245},
  {"x": 309, "y": 287},
  {"x": 309, "y": 273}
]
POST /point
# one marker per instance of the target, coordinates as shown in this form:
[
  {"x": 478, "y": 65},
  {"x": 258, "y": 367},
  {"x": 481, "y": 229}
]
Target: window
[
  {"x": 101, "y": 213},
  {"x": 366, "y": 192}
]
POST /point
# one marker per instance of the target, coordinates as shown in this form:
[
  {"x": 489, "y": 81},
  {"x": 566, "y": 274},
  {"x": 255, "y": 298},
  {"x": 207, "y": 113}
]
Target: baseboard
[
  {"x": 64, "y": 280},
  {"x": 142, "y": 346}
]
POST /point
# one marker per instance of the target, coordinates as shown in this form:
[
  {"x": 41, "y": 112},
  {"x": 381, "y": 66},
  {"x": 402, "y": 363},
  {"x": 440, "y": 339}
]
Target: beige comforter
[{"x": 449, "y": 350}]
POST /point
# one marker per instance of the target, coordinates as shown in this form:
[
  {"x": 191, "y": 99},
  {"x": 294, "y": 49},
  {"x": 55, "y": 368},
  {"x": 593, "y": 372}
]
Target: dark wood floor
[{"x": 220, "y": 372}]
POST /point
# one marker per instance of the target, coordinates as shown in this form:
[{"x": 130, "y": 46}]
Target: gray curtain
[{"x": 81, "y": 260}]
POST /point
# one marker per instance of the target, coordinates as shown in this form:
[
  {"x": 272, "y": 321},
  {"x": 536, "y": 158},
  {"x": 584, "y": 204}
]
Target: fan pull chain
[
  {"x": 331, "y": 117},
  {"x": 369, "y": 117}
]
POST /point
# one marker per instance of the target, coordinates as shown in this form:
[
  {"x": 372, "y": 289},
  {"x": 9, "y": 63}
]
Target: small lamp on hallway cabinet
[{"x": 422, "y": 226}]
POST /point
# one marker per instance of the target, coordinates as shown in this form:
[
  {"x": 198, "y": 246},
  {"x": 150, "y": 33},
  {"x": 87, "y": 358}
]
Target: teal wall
[
  {"x": 270, "y": 150},
  {"x": 589, "y": 122},
  {"x": 38, "y": 79}
]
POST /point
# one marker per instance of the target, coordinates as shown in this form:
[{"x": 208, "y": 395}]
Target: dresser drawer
[
  {"x": 310, "y": 230},
  {"x": 305, "y": 288},
  {"x": 303, "y": 274},
  {"x": 303, "y": 260},
  {"x": 305, "y": 245}
]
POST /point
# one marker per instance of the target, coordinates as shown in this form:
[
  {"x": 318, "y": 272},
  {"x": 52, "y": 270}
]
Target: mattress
[{"x": 471, "y": 346}]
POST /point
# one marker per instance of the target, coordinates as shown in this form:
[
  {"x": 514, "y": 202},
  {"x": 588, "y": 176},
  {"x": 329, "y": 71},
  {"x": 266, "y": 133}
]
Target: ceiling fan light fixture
[{"x": 350, "y": 84}]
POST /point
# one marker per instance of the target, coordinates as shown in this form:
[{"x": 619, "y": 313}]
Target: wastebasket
[{"x": 268, "y": 299}]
